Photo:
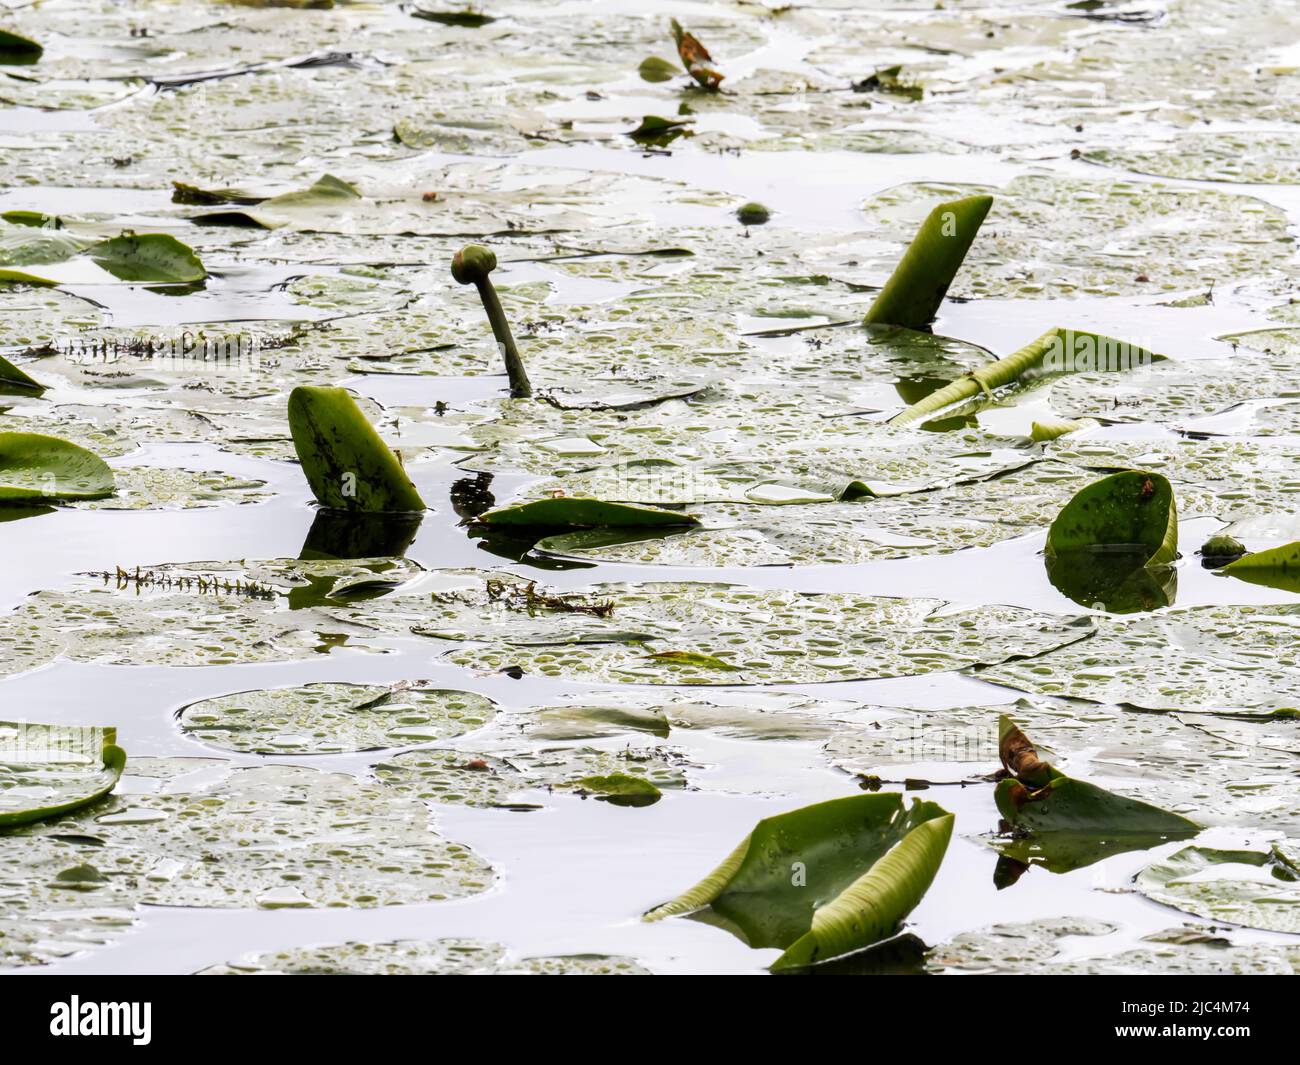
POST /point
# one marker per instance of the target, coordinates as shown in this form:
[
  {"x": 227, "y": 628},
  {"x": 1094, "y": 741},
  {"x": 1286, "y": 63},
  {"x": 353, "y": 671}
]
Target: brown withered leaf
[
  {"x": 1019, "y": 756},
  {"x": 696, "y": 58}
]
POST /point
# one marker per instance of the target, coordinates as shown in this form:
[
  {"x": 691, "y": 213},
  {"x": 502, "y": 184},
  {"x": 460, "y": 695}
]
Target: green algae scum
[{"x": 585, "y": 489}]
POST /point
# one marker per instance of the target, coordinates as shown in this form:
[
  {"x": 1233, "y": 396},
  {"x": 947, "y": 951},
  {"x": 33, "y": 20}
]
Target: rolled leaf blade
[
  {"x": 347, "y": 465},
  {"x": 1056, "y": 351},
  {"x": 914, "y": 291},
  {"x": 875, "y": 905}
]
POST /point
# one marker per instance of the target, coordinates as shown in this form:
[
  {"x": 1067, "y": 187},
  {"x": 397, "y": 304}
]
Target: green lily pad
[
  {"x": 915, "y": 290},
  {"x": 51, "y": 770},
  {"x": 824, "y": 880},
  {"x": 1064, "y": 823},
  {"x": 619, "y": 789},
  {"x": 38, "y": 467},
  {"x": 50, "y": 257},
  {"x": 423, "y": 957},
  {"x": 510, "y": 779},
  {"x": 1132, "y": 512},
  {"x": 1217, "y": 659},
  {"x": 1053, "y": 945},
  {"x": 11, "y": 377},
  {"x": 326, "y": 204},
  {"x": 13, "y": 44},
  {"x": 327, "y": 718},
  {"x": 1275, "y": 567},
  {"x": 613, "y": 632},
  {"x": 1060, "y": 237},
  {"x": 1252, "y": 887},
  {"x": 578, "y": 513}
]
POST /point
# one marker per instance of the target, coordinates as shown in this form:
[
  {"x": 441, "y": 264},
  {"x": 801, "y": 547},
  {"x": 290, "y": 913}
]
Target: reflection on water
[{"x": 1114, "y": 579}]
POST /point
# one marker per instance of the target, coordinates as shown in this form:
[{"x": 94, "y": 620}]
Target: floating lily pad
[
  {"x": 51, "y": 770},
  {"x": 511, "y": 778},
  {"x": 1259, "y": 888},
  {"x": 326, "y": 718},
  {"x": 160, "y": 487},
  {"x": 1217, "y": 659},
  {"x": 1059, "y": 237},
  {"x": 204, "y": 614},
  {"x": 613, "y": 633},
  {"x": 46, "y": 468},
  {"x": 423, "y": 957},
  {"x": 580, "y": 513},
  {"x": 1054, "y": 945},
  {"x": 50, "y": 257},
  {"x": 268, "y": 837}
]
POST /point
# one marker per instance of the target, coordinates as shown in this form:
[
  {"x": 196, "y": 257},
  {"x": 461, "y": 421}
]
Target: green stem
[{"x": 520, "y": 388}]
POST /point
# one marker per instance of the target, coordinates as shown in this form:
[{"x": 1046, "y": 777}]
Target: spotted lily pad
[
  {"x": 614, "y": 632},
  {"x": 512, "y": 778},
  {"x": 1219, "y": 659},
  {"x": 326, "y": 718},
  {"x": 51, "y": 770},
  {"x": 268, "y": 837},
  {"x": 423, "y": 957},
  {"x": 1256, "y": 887}
]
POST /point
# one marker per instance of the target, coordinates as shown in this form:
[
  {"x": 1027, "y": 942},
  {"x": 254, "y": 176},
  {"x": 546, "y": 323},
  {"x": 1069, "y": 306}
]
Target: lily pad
[
  {"x": 38, "y": 467},
  {"x": 1275, "y": 567},
  {"x": 51, "y": 770},
  {"x": 1131, "y": 512},
  {"x": 327, "y": 718},
  {"x": 512, "y": 778},
  {"x": 549, "y": 515},
  {"x": 423, "y": 957},
  {"x": 613, "y": 633},
  {"x": 1065, "y": 823},
  {"x": 1259, "y": 888},
  {"x": 346, "y": 463},
  {"x": 825, "y": 880},
  {"x": 1216, "y": 659},
  {"x": 268, "y": 837}
]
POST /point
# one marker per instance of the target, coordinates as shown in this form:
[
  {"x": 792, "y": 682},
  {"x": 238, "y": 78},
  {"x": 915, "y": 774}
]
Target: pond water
[{"x": 1143, "y": 159}]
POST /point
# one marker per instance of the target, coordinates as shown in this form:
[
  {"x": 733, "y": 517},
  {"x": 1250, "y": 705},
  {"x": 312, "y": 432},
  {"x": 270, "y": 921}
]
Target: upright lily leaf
[
  {"x": 148, "y": 257},
  {"x": 554, "y": 515},
  {"x": 1130, "y": 512},
  {"x": 36, "y": 467},
  {"x": 1277, "y": 567},
  {"x": 826, "y": 879},
  {"x": 346, "y": 463},
  {"x": 654, "y": 68},
  {"x": 1070, "y": 823},
  {"x": 12, "y": 45},
  {"x": 912, "y": 295},
  {"x": 1057, "y": 351},
  {"x": 696, "y": 59},
  {"x": 48, "y": 770}
]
